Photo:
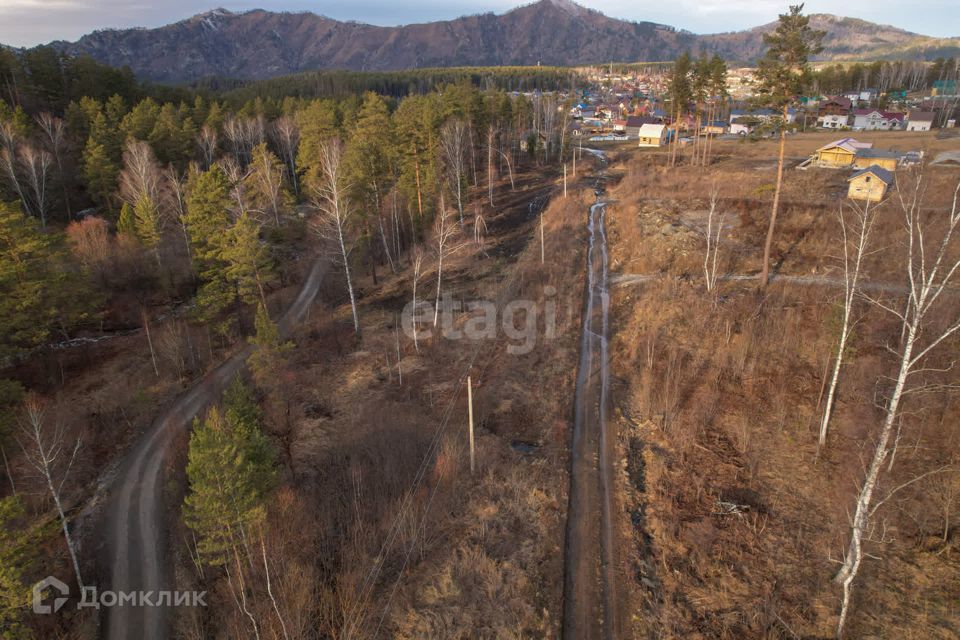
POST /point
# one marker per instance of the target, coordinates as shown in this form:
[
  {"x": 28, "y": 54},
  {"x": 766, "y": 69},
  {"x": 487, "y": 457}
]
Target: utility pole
[
  {"x": 542, "y": 258},
  {"x": 470, "y": 414},
  {"x": 564, "y": 179}
]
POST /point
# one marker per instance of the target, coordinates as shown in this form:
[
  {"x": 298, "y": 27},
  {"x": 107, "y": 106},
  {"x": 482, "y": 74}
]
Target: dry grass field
[{"x": 738, "y": 522}]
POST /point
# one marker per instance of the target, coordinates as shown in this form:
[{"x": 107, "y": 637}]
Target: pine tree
[
  {"x": 39, "y": 289},
  {"x": 208, "y": 223},
  {"x": 367, "y": 160},
  {"x": 99, "y": 172},
  {"x": 266, "y": 358},
  {"x": 247, "y": 264},
  {"x": 783, "y": 74},
  {"x": 147, "y": 224},
  {"x": 230, "y": 469},
  {"x": 318, "y": 123},
  {"x": 14, "y": 592},
  {"x": 127, "y": 222}
]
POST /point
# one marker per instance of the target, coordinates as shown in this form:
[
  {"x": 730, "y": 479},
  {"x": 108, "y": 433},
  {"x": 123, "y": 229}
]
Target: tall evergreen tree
[
  {"x": 208, "y": 223},
  {"x": 783, "y": 74},
  {"x": 14, "y": 592},
  {"x": 39, "y": 289},
  {"x": 247, "y": 264},
  {"x": 230, "y": 468}
]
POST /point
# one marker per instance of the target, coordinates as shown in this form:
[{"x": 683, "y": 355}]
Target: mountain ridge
[{"x": 258, "y": 44}]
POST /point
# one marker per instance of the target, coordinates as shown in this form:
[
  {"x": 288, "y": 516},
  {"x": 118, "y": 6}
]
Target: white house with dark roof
[{"x": 920, "y": 120}]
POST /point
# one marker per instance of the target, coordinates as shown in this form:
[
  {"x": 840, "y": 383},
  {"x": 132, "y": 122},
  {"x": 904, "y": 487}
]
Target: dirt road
[
  {"x": 135, "y": 557},
  {"x": 591, "y": 603}
]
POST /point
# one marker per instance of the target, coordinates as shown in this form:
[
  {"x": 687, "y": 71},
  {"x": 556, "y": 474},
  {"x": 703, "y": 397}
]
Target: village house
[
  {"x": 840, "y": 153},
  {"x": 865, "y": 158},
  {"x": 652, "y": 135},
  {"x": 944, "y": 88},
  {"x": 715, "y": 128},
  {"x": 631, "y": 125},
  {"x": 920, "y": 120},
  {"x": 833, "y": 121},
  {"x": 839, "y": 106},
  {"x": 864, "y": 95},
  {"x": 575, "y": 129},
  {"x": 870, "y": 184},
  {"x": 874, "y": 120}
]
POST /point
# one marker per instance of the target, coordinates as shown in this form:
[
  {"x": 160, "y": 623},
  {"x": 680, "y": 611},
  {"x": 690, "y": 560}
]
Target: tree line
[{"x": 883, "y": 76}]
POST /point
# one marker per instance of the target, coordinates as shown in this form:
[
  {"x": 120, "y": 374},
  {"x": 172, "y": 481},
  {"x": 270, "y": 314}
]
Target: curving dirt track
[
  {"x": 135, "y": 558},
  {"x": 591, "y": 600}
]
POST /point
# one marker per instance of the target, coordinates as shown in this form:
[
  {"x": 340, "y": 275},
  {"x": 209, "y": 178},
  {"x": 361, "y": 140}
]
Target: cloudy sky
[{"x": 30, "y": 22}]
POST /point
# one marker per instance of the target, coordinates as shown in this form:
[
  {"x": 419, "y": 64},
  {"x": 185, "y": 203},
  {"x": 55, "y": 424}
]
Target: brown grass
[{"x": 737, "y": 523}]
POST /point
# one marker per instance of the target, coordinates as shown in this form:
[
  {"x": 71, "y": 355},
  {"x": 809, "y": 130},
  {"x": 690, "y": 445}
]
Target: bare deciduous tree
[
  {"x": 712, "y": 236},
  {"x": 453, "y": 141},
  {"x": 931, "y": 264},
  {"x": 444, "y": 237},
  {"x": 177, "y": 200},
  {"x": 238, "y": 174},
  {"x": 36, "y": 165},
  {"x": 46, "y": 450},
  {"x": 244, "y": 134},
  {"x": 141, "y": 175},
  {"x": 208, "y": 141},
  {"x": 267, "y": 177},
  {"x": 855, "y": 241},
  {"x": 331, "y": 200},
  {"x": 417, "y": 270},
  {"x": 287, "y": 136},
  {"x": 55, "y": 131}
]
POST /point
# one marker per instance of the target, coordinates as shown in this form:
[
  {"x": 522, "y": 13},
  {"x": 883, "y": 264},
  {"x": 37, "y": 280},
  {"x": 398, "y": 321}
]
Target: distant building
[
  {"x": 874, "y": 120},
  {"x": 920, "y": 120},
  {"x": 839, "y": 106},
  {"x": 865, "y": 158},
  {"x": 652, "y": 135},
  {"x": 869, "y": 184},
  {"x": 840, "y": 153},
  {"x": 833, "y": 121},
  {"x": 633, "y": 124},
  {"x": 944, "y": 88}
]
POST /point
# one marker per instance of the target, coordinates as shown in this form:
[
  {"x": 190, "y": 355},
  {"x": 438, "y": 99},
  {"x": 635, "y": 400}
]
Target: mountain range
[{"x": 261, "y": 44}]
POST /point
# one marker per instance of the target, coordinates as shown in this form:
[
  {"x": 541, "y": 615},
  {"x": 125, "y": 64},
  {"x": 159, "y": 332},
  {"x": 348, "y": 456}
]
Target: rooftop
[{"x": 879, "y": 172}]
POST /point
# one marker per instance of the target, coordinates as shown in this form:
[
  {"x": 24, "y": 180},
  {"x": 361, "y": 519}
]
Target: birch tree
[
  {"x": 417, "y": 270},
  {"x": 445, "y": 233},
  {"x": 269, "y": 192},
  {"x": 141, "y": 175},
  {"x": 286, "y": 132},
  {"x": 855, "y": 236},
  {"x": 931, "y": 265},
  {"x": 453, "y": 147},
  {"x": 55, "y": 134},
  {"x": 48, "y": 452},
  {"x": 713, "y": 242},
  {"x": 208, "y": 141},
  {"x": 36, "y": 165},
  {"x": 335, "y": 209}
]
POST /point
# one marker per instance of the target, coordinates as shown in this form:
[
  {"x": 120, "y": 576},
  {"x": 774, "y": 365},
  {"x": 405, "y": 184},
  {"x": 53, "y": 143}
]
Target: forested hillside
[
  {"x": 263, "y": 44},
  {"x": 145, "y": 241}
]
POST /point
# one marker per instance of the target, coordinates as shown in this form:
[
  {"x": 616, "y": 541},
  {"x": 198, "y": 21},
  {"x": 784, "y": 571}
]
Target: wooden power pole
[{"x": 470, "y": 414}]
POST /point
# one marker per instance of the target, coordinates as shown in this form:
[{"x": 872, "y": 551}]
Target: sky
[{"x": 31, "y": 22}]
